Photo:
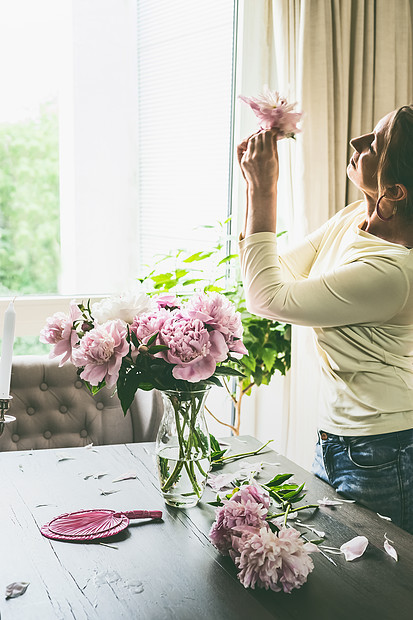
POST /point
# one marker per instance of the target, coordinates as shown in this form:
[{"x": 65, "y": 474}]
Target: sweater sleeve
[
  {"x": 373, "y": 289},
  {"x": 297, "y": 262}
]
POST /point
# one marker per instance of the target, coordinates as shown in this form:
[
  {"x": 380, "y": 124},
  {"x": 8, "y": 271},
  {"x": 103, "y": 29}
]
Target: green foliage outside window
[{"x": 29, "y": 205}]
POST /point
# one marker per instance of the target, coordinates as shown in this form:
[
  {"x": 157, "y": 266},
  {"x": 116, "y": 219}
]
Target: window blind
[{"x": 185, "y": 71}]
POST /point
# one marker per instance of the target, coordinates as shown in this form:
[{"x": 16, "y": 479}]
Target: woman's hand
[{"x": 258, "y": 159}]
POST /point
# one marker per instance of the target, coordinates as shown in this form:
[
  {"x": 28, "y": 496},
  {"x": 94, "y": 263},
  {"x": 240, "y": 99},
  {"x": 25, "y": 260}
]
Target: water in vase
[{"x": 182, "y": 480}]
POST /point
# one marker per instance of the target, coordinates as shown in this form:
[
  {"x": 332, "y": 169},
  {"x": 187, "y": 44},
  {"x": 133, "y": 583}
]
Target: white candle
[{"x": 7, "y": 351}]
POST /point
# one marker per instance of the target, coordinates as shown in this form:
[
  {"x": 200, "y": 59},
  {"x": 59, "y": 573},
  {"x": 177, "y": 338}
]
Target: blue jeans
[{"x": 376, "y": 471}]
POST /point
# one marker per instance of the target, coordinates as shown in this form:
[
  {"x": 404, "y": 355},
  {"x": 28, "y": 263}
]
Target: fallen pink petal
[
  {"x": 333, "y": 550},
  {"x": 329, "y": 502},
  {"x": 311, "y": 527},
  {"x": 390, "y": 549},
  {"x": 64, "y": 457},
  {"x": 130, "y": 476},
  {"x": 220, "y": 481},
  {"x": 354, "y": 548},
  {"x": 17, "y": 588}
]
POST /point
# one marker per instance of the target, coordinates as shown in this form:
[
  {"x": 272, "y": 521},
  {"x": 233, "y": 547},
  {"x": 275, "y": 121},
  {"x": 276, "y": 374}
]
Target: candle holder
[{"x": 5, "y": 419}]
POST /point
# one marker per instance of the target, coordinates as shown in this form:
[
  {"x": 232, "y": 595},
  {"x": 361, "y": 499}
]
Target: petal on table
[
  {"x": 390, "y": 549},
  {"x": 17, "y": 588},
  {"x": 329, "y": 502},
  {"x": 354, "y": 548}
]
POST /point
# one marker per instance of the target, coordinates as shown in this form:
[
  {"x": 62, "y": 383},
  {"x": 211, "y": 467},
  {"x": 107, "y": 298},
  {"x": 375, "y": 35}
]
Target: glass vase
[{"x": 183, "y": 448}]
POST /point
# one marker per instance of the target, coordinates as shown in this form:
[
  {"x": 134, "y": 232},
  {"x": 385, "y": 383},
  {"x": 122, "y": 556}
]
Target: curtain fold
[{"x": 347, "y": 64}]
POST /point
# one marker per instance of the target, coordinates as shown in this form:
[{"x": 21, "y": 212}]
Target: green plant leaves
[{"x": 268, "y": 342}]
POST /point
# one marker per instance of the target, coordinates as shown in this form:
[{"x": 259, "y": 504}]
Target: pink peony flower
[
  {"x": 167, "y": 300},
  {"x": 100, "y": 352},
  {"x": 59, "y": 331},
  {"x": 279, "y": 561},
  {"x": 274, "y": 112},
  {"x": 193, "y": 349},
  {"x": 253, "y": 493},
  {"x": 219, "y": 313},
  {"x": 246, "y": 508},
  {"x": 148, "y": 324}
]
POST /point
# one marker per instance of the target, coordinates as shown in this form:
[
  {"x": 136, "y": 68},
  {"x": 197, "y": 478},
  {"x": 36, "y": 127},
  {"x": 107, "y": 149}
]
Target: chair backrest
[{"x": 54, "y": 409}]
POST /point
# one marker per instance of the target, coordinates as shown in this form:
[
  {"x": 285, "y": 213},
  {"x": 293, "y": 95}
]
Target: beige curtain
[{"x": 347, "y": 63}]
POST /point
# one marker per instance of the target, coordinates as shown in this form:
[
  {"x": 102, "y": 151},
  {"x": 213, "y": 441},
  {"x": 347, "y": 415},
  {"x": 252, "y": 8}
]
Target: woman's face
[{"x": 362, "y": 169}]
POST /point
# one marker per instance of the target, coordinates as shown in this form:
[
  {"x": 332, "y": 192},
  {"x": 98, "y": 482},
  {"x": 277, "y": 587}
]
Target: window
[
  {"x": 29, "y": 148},
  {"x": 185, "y": 76},
  {"x": 138, "y": 102}
]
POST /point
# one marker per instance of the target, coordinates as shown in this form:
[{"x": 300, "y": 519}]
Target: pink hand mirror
[{"x": 93, "y": 524}]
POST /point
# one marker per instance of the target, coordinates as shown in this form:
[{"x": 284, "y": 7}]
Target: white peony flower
[{"x": 125, "y": 307}]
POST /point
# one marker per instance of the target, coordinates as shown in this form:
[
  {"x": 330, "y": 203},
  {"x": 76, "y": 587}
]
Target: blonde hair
[{"x": 396, "y": 160}]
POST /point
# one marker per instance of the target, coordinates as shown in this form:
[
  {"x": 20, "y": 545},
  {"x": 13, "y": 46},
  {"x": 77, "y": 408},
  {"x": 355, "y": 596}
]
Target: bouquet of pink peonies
[{"x": 138, "y": 341}]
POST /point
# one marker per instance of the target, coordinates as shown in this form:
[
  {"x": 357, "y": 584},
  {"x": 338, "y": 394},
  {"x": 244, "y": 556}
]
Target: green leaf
[
  {"x": 156, "y": 348},
  {"x": 134, "y": 339},
  {"x": 268, "y": 357},
  {"x": 127, "y": 386},
  {"x": 257, "y": 331},
  {"x": 152, "y": 339},
  {"x": 214, "y": 381},
  {"x": 161, "y": 278},
  {"x": 257, "y": 376},
  {"x": 94, "y": 389},
  {"x": 291, "y": 494},
  {"x": 197, "y": 257},
  {"x": 180, "y": 273},
  {"x": 213, "y": 289},
  {"x": 215, "y": 445},
  {"x": 278, "y": 479},
  {"x": 227, "y": 370},
  {"x": 227, "y": 259},
  {"x": 249, "y": 362},
  {"x": 193, "y": 281}
]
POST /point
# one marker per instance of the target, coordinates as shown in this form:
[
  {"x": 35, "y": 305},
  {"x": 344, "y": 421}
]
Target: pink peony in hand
[
  {"x": 193, "y": 349},
  {"x": 60, "y": 331},
  {"x": 274, "y": 112},
  {"x": 219, "y": 313},
  {"x": 100, "y": 352}
]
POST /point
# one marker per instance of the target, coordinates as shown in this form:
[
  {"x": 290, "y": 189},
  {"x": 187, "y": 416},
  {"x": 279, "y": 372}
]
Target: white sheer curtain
[{"x": 347, "y": 64}]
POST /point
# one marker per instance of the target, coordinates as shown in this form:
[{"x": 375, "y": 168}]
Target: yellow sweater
[{"x": 356, "y": 291}]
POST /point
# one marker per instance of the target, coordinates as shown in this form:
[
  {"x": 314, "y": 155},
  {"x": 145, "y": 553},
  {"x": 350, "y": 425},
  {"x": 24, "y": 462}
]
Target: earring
[{"x": 380, "y": 215}]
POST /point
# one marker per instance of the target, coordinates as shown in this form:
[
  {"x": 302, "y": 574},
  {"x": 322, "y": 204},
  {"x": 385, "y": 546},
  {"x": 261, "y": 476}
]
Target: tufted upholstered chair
[{"x": 54, "y": 409}]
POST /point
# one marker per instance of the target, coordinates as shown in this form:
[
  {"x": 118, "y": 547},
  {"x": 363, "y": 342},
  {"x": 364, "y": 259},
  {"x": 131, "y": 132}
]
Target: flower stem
[
  {"x": 280, "y": 514},
  {"x": 241, "y": 455},
  {"x": 286, "y": 514},
  {"x": 189, "y": 415}
]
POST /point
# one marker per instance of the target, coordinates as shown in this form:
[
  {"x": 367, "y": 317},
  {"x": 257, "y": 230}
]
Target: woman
[{"x": 352, "y": 281}]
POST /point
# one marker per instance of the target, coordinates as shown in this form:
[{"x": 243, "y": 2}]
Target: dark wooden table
[{"x": 169, "y": 570}]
